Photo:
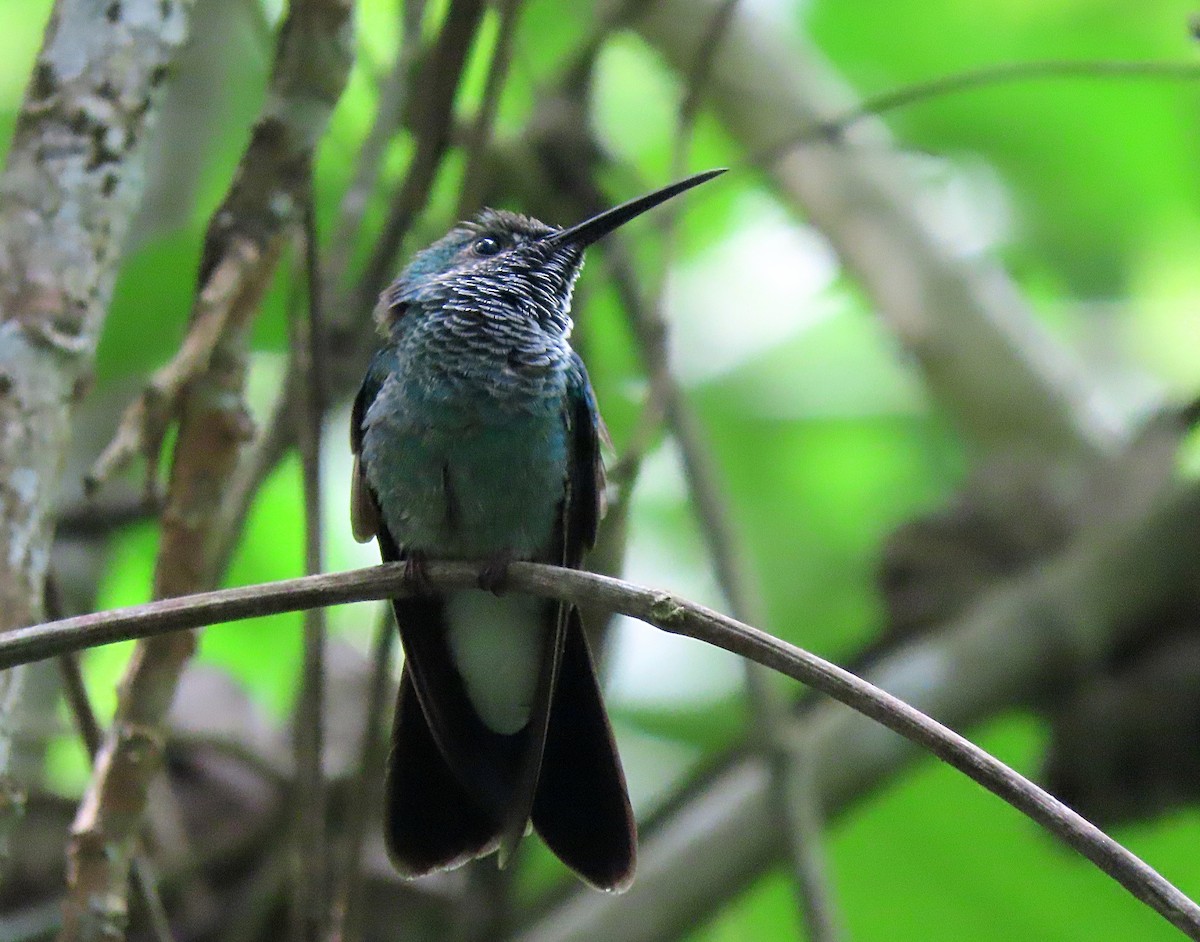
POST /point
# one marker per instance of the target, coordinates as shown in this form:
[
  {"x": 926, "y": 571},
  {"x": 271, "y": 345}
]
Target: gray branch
[
  {"x": 69, "y": 191},
  {"x": 67, "y": 197}
]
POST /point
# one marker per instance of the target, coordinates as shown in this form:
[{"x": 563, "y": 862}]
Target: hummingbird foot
[
  {"x": 494, "y": 574},
  {"x": 416, "y": 573}
]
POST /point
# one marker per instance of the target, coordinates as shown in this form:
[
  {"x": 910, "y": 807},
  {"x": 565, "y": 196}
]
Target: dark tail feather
[
  {"x": 430, "y": 821},
  {"x": 485, "y": 760},
  {"x": 582, "y": 806},
  {"x": 528, "y": 769}
]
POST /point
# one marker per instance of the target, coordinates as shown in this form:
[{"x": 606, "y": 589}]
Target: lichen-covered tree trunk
[{"x": 67, "y": 195}]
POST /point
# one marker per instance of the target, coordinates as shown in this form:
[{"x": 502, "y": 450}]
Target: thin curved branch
[
  {"x": 662, "y": 610},
  {"x": 1010, "y": 649},
  {"x": 1002, "y": 74}
]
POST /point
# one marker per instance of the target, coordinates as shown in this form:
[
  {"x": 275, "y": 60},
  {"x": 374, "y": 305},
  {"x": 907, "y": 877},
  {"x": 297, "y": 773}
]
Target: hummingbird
[{"x": 476, "y": 436}]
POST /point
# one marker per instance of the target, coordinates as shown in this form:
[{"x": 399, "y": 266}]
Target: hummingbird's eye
[{"x": 486, "y": 245}]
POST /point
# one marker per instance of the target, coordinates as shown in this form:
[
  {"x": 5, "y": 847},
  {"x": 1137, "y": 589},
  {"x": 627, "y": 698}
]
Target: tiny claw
[
  {"x": 416, "y": 574},
  {"x": 494, "y": 575}
]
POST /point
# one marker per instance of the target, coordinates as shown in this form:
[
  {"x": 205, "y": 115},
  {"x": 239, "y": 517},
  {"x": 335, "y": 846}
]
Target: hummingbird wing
[
  {"x": 364, "y": 509},
  {"x": 585, "y": 480},
  {"x": 581, "y": 806}
]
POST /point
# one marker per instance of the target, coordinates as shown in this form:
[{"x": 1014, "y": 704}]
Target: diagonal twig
[
  {"x": 1002, "y": 74},
  {"x": 145, "y": 882},
  {"x": 432, "y": 121},
  {"x": 790, "y": 776},
  {"x": 389, "y": 114},
  {"x": 740, "y": 590},
  {"x": 964, "y": 322},
  {"x": 480, "y": 132}
]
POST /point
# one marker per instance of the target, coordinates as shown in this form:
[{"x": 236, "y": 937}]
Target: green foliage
[
  {"x": 1094, "y": 167},
  {"x": 937, "y": 858}
]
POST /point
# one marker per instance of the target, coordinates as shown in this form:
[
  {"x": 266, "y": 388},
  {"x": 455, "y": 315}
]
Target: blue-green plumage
[
  {"x": 476, "y": 437},
  {"x": 470, "y": 470}
]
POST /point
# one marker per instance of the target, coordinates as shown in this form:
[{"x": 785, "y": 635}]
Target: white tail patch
[{"x": 497, "y": 646}]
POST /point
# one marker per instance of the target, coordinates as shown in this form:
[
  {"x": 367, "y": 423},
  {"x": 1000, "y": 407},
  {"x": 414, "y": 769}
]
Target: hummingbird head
[{"x": 503, "y": 265}]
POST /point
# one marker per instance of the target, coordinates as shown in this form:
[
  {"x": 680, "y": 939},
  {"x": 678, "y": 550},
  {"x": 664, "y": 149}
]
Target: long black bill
[{"x": 585, "y": 233}]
